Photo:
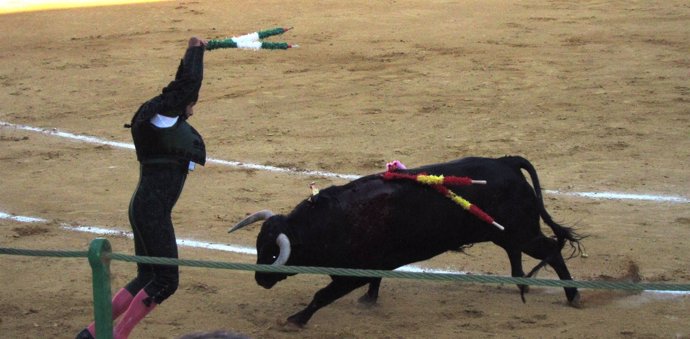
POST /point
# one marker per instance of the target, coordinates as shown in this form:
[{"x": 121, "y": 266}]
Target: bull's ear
[{"x": 258, "y": 216}]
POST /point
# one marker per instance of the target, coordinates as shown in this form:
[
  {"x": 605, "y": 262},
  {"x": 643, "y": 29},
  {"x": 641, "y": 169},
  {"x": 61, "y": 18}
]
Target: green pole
[{"x": 99, "y": 260}]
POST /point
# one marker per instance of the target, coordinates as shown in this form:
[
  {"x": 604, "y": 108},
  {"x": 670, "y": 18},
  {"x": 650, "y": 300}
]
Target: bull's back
[
  {"x": 384, "y": 224},
  {"x": 418, "y": 222},
  {"x": 497, "y": 171}
]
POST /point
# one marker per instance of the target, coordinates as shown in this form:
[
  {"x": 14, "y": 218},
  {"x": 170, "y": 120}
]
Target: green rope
[
  {"x": 44, "y": 253},
  {"x": 476, "y": 278},
  {"x": 473, "y": 278}
]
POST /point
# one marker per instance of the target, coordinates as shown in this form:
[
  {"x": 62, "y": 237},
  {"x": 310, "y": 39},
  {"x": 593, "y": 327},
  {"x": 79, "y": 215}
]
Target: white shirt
[{"x": 161, "y": 121}]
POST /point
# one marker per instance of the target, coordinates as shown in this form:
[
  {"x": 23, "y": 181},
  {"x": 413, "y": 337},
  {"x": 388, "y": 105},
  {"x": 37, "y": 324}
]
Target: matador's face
[{"x": 189, "y": 110}]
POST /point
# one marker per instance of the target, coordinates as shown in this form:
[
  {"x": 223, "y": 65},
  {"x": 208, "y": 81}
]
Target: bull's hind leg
[
  {"x": 369, "y": 298},
  {"x": 339, "y": 287},
  {"x": 547, "y": 249}
]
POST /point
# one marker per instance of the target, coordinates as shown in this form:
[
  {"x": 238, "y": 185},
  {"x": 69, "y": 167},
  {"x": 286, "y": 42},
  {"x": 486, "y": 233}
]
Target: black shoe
[{"x": 85, "y": 334}]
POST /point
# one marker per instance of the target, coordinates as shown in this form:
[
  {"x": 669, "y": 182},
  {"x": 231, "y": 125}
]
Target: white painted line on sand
[
  {"x": 104, "y": 231},
  {"x": 186, "y": 242},
  {"x": 237, "y": 164},
  {"x": 622, "y": 196}
]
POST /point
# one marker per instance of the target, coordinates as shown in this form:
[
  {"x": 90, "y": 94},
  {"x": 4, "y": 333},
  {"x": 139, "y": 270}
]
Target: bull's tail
[{"x": 562, "y": 233}]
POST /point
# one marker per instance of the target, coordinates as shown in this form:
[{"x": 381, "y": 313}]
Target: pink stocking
[
  {"x": 137, "y": 310},
  {"x": 121, "y": 301}
]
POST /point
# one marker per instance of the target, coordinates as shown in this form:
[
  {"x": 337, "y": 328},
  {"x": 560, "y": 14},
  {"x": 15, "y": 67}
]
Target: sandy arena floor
[{"x": 595, "y": 93}]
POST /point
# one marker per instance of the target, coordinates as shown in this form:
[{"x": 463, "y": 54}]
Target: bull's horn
[
  {"x": 258, "y": 216},
  {"x": 284, "y": 244}
]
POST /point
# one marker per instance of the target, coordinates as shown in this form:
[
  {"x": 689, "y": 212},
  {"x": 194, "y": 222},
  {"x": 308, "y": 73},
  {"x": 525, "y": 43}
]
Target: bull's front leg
[
  {"x": 339, "y": 287},
  {"x": 515, "y": 257}
]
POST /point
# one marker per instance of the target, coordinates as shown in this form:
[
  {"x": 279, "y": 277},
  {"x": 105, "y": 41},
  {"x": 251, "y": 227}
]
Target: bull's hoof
[
  {"x": 367, "y": 300},
  {"x": 576, "y": 302},
  {"x": 288, "y": 326},
  {"x": 523, "y": 289}
]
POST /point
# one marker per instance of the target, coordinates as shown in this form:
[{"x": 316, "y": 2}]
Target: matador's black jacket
[{"x": 180, "y": 143}]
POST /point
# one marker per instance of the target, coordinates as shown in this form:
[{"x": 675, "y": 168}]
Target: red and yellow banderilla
[{"x": 438, "y": 182}]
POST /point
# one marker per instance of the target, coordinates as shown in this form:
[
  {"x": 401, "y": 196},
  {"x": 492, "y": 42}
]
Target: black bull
[{"x": 372, "y": 223}]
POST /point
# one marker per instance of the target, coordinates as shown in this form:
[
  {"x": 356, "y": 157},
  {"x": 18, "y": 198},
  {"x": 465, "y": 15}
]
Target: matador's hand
[{"x": 196, "y": 42}]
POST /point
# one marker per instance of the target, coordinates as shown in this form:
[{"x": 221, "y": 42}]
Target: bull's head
[{"x": 272, "y": 245}]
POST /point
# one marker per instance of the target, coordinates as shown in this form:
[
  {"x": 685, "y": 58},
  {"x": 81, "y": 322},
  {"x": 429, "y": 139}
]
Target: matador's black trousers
[{"x": 150, "y": 211}]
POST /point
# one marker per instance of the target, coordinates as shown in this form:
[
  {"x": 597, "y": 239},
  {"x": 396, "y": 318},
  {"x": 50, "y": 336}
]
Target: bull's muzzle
[{"x": 268, "y": 280}]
